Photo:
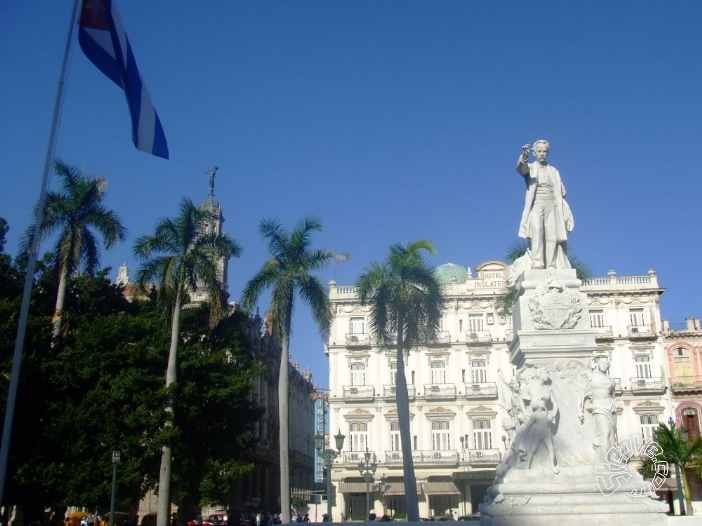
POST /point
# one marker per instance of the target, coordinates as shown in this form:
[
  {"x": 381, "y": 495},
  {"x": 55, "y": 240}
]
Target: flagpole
[{"x": 31, "y": 263}]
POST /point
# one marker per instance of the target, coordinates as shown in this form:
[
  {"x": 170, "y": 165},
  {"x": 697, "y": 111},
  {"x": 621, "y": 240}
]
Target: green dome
[{"x": 444, "y": 273}]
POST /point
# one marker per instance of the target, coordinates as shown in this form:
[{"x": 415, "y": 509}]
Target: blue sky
[{"x": 391, "y": 121}]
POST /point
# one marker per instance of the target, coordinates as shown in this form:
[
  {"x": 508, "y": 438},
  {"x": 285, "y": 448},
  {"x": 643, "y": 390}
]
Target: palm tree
[
  {"x": 287, "y": 273},
  {"x": 182, "y": 254},
  {"x": 406, "y": 303},
  {"x": 504, "y": 303},
  {"x": 679, "y": 451},
  {"x": 74, "y": 212}
]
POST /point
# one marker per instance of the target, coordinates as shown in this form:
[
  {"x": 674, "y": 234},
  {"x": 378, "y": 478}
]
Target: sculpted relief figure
[
  {"x": 542, "y": 410},
  {"x": 603, "y": 408},
  {"x": 509, "y": 396},
  {"x": 546, "y": 218},
  {"x": 534, "y": 411}
]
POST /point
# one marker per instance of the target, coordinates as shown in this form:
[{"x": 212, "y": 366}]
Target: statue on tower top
[{"x": 212, "y": 172}]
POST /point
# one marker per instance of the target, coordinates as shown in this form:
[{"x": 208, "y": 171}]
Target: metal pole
[
  {"x": 681, "y": 497},
  {"x": 368, "y": 494},
  {"x": 327, "y": 462},
  {"x": 114, "y": 494},
  {"x": 31, "y": 263}
]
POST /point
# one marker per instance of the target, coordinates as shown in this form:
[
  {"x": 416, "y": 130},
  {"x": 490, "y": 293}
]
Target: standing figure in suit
[{"x": 546, "y": 219}]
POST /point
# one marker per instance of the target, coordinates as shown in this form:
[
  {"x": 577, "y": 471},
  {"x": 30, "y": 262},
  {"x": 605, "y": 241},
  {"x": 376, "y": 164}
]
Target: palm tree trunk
[
  {"x": 163, "y": 507},
  {"x": 402, "y": 399},
  {"x": 283, "y": 415},
  {"x": 58, "y": 311}
]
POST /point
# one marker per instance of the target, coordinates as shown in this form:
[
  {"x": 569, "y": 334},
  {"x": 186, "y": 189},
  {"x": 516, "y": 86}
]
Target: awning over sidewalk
[
  {"x": 440, "y": 488},
  {"x": 353, "y": 487},
  {"x": 669, "y": 484},
  {"x": 397, "y": 488},
  {"x": 392, "y": 489}
]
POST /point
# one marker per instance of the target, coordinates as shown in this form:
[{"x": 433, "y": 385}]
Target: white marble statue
[
  {"x": 603, "y": 408},
  {"x": 540, "y": 406},
  {"x": 546, "y": 219},
  {"x": 509, "y": 396}
]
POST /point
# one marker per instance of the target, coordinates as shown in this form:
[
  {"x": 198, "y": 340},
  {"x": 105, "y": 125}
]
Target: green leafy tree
[
  {"x": 215, "y": 415},
  {"x": 504, "y": 303},
  {"x": 32, "y": 390},
  {"x": 406, "y": 303},
  {"x": 288, "y": 274},
  {"x": 181, "y": 255},
  {"x": 63, "y": 403},
  {"x": 74, "y": 212},
  {"x": 677, "y": 449}
]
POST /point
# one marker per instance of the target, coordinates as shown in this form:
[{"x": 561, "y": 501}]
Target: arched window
[
  {"x": 682, "y": 365},
  {"x": 691, "y": 422}
]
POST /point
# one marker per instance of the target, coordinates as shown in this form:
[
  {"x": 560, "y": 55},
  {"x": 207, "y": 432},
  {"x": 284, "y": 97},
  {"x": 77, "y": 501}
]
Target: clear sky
[{"x": 391, "y": 121}]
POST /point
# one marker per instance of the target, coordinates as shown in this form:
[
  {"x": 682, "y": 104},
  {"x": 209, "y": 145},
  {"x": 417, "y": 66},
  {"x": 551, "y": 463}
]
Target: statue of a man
[
  {"x": 212, "y": 172},
  {"x": 546, "y": 219}
]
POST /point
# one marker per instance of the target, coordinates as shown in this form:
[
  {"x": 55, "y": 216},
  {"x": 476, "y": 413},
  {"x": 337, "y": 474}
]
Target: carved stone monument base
[
  {"x": 548, "y": 474},
  {"x": 540, "y": 497}
]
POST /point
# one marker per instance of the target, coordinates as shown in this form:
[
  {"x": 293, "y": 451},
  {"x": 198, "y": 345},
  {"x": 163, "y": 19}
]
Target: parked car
[
  {"x": 218, "y": 519},
  {"x": 75, "y": 518},
  {"x": 469, "y": 518},
  {"x": 119, "y": 518}
]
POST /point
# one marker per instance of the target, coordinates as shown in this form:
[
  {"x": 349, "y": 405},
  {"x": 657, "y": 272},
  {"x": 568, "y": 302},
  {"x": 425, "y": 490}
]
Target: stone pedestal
[{"x": 553, "y": 351}]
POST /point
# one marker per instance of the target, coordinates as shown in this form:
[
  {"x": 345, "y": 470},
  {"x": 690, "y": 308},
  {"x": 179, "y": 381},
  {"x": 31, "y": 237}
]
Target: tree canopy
[{"x": 103, "y": 391}]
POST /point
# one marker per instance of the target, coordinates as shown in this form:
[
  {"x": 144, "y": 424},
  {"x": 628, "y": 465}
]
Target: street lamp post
[
  {"x": 328, "y": 456},
  {"x": 115, "y": 461},
  {"x": 678, "y": 477},
  {"x": 367, "y": 470}
]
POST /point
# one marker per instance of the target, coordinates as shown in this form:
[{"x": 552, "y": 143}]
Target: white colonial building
[{"x": 455, "y": 386}]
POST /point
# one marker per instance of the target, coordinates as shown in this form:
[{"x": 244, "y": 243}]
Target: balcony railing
[
  {"x": 354, "y": 457},
  {"x": 358, "y": 340},
  {"x": 424, "y": 457},
  {"x": 390, "y": 391},
  {"x": 640, "y": 331},
  {"x": 604, "y": 331},
  {"x": 359, "y": 391},
  {"x": 617, "y": 385},
  {"x": 478, "y": 337},
  {"x": 484, "y": 456},
  {"x": 440, "y": 390},
  {"x": 442, "y": 338},
  {"x": 684, "y": 383},
  {"x": 647, "y": 384},
  {"x": 481, "y": 390}
]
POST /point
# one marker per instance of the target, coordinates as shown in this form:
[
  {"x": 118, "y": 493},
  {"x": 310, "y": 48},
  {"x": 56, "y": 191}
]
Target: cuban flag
[{"x": 103, "y": 40}]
